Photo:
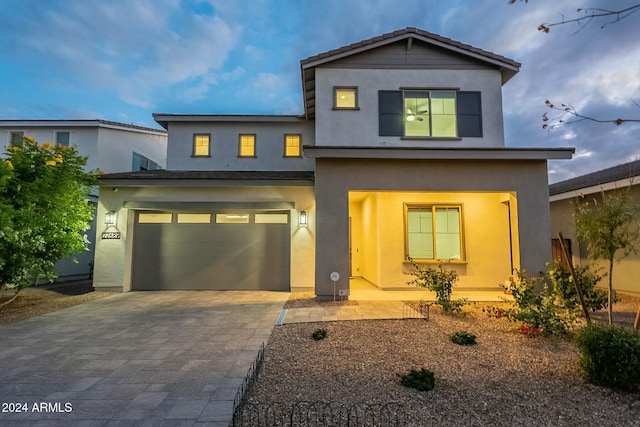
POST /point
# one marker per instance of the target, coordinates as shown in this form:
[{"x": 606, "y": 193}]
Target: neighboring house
[
  {"x": 563, "y": 196},
  {"x": 400, "y": 153},
  {"x": 109, "y": 146}
]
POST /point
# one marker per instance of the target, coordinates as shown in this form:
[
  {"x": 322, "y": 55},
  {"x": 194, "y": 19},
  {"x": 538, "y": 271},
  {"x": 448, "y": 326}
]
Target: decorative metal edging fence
[
  {"x": 320, "y": 414},
  {"x": 249, "y": 380},
  {"x": 416, "y": 310}
]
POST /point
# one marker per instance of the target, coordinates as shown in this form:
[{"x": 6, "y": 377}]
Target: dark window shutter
[
  {"x": 469, "y": 107},
  {"x": 390, "y": 113}
]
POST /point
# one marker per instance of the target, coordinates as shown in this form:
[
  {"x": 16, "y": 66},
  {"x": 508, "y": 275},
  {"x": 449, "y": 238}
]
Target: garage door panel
[{"x": 211, "y": 256}]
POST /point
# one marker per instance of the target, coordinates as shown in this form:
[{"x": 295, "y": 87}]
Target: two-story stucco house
[
  {"x": 109, "y": 146},
  {"x": 400, "y": 154}
]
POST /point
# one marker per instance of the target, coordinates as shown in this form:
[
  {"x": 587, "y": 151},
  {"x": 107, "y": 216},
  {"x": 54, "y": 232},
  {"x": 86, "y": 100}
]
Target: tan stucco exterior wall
[
  {"x": 625, "y": 272},
  {"x": 113, "y": 257},
  {"x": 335, "y": 178}
]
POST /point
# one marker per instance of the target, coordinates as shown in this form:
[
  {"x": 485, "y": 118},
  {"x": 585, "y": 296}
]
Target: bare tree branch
[
  {"x": 567, "y": 109},
  {"x": 588, "y": 15}
]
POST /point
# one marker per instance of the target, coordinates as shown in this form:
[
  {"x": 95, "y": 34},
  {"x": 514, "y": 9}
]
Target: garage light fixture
[
  {"x": 110, "y": 218},
  {"x": 303, "y": 218}
]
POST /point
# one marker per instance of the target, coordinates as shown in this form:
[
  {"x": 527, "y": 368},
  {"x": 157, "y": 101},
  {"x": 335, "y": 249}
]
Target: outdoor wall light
[
  {"x": 303, "y": 218},
  {"x": 110, "y": 218}
]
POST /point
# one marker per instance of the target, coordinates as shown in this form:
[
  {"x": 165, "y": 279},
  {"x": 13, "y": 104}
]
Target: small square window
[
  {"x": 345, "y": 98},
  {"x": 62, "y": 138},
  {"x": 247, "y": 146},
  {"x": 15, "y": 138},
  {"x": 201, "y": 145},
  {"x": 292, "y": 146}
]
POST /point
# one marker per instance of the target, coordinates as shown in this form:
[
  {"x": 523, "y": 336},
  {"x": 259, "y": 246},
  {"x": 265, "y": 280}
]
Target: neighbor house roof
[
  {"x": 508, "y": 67},
  {"x": 53, "y": 123},
  {"x": 613, "y": 177}
]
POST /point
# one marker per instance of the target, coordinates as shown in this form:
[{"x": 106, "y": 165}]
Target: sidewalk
[{"x": 369, "y": 302}]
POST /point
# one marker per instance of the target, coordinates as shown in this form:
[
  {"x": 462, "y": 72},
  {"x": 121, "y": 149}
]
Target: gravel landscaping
[
  {"x": 35, "y": 301},
  {"x": 505, "y": 379}
]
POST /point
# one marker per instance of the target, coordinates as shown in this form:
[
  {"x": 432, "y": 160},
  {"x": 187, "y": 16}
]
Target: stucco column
[{"x": 332, "y": 232}]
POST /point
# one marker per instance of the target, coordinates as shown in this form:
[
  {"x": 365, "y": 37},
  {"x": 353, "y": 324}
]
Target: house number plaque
[{"x": 107, "y": 235}]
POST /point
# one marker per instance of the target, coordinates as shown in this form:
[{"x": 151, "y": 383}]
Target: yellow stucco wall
[{"x": 378, "y": 237}]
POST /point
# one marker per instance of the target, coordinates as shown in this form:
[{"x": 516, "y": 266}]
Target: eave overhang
[
  {"x": 163, "y": 119},
  {"x": 164, "y": 178},
  {"x": 339, "y": 152}
]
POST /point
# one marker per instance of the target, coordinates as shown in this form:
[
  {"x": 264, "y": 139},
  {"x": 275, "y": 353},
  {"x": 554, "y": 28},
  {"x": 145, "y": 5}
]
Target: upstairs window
[
  {"x": 201, "y": 145},
  {"x": 15, "y": 138},
  {"x": 429, "y": 113},
  {"x": 247, "y": 145},
  {"x": 292, "y": 146},
  {"x": 345, "y": 98},
  {"x": 62, "y": 138},
  {"x": 434, "y": 232}
]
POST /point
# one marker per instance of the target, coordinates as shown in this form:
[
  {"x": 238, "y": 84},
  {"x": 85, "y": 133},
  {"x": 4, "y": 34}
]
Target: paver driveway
[{"x": 141, "y": 358}]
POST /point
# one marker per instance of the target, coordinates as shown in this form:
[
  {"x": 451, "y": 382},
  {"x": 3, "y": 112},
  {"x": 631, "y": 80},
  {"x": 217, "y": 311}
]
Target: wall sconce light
[
  {"x": 303, "y": 218},
  {"x": 110, "y": 218}
]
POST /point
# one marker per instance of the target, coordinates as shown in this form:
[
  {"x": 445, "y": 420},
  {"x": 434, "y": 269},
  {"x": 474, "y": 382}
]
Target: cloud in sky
[{"x": 123, "y": 60}]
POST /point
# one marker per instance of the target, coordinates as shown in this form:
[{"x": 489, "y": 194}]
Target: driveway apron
[{"x": 135, "y": 359}]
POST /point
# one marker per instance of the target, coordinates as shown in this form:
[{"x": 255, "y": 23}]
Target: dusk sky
[{"x": 123, "y": 60}]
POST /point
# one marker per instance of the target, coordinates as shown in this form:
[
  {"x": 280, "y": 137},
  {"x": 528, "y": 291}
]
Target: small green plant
[
  {"x": 565, "y": 289},
  {"x": 422, "y": 380},
  {"x": 319, "y": 334},
  {"x": 463, "y": 338},
  {"x": 440, "y": 281},
  {"x": 610, "y": 356}
]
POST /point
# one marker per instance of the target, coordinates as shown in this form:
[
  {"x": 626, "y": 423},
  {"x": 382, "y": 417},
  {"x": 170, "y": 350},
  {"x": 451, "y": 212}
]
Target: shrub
[
  {"x": 319, "y": 334},
  {"x": 539, "y": 312},
  {"x": 422, "y": 380},
  {"x": 463, "y": 338},
  {"x": 440, "y": 281},
  {"x": 565, "y": 289},
  {"x": 610, "y": 356}
]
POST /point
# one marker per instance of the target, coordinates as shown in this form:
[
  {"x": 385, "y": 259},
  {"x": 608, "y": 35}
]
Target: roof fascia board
[
  {"x": 608, "y": 186},
  {"x": 189, "y": 183},
  {"x": 226, "y": 118},
  {"x": 434, "y": 153}
]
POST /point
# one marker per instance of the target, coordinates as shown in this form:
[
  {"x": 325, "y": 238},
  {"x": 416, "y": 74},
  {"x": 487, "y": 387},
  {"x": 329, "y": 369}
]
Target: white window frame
[
  {"x": 434, "y": 207},
  {"x": 410, "y": 116}
]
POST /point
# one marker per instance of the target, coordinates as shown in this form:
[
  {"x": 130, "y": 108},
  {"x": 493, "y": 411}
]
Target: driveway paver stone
[{"x": 137, "y": 359}]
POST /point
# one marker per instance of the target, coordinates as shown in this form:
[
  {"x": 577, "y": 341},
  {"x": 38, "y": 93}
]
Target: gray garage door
[{"x": 211, "y": 250}]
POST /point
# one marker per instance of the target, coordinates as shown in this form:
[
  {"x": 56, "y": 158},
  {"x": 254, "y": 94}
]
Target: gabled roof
[
  {"x": 508, "y": 67},
  {"x": 621, "y": 174}
]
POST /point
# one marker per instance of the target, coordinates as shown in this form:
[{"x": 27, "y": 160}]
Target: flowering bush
[
  {"x": 529, "y": 331},
  {"x": 538, "y": 312}
]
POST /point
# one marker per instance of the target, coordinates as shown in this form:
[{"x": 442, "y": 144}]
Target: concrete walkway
[{"x": 134, "y": 359}]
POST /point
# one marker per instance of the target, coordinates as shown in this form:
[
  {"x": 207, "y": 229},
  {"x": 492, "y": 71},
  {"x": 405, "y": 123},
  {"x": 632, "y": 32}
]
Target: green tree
[
  {"x": 611, "y": 228},
  {"x": 43, "y": 210}
]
